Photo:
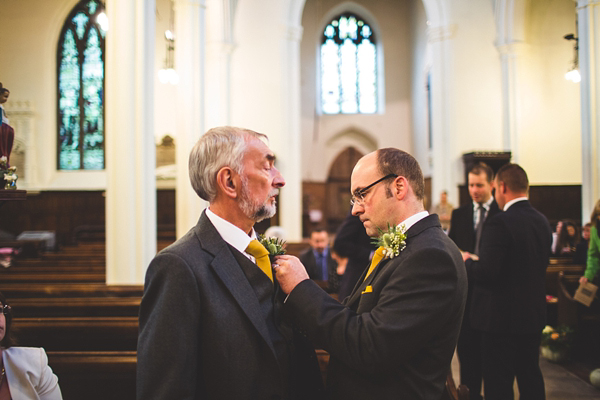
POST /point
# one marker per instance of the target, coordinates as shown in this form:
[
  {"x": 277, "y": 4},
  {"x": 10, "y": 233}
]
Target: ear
[
  {"x": 227, "y": 182},
  {"x": 400, "y": 187}
]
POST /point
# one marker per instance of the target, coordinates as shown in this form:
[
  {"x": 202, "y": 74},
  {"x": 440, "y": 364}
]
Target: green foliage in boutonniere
[
  {"x": 393, "y": 241},
  {"x": 274, "y": 246}
]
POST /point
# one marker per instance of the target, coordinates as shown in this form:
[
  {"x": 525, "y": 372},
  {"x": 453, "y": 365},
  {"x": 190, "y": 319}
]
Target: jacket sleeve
[
  {"x": 167, "y": 353},
  {"x": 593, "y": 255},
  {"x": 409, "y": 310},
  {"x": 495, "y": 239},
  {"x": 47, "y": 386}
]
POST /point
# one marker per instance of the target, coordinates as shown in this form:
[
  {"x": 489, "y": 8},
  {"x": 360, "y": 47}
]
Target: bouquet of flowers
[{"x": 557, "y": 339}]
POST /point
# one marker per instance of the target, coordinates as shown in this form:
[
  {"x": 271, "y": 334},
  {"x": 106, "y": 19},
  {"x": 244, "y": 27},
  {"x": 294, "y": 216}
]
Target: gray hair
[{"x": 219, "y": 147}]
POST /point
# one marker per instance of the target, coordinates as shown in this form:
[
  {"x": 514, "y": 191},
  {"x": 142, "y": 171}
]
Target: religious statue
[{"x": 7, "y": 134}]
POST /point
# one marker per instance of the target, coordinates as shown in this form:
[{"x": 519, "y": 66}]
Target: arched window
[
  {"x": 348, "y": 67},
  {"x": 80, "y": 64}
]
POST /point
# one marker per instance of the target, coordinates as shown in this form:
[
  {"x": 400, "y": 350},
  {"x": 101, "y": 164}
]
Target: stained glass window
[
  {"x": 81, "y": 89},
  {"x": 348, "y": 67}
]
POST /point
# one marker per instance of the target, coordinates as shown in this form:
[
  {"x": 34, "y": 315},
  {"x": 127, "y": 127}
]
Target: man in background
[
  {"x": 444, "y": 211},
  {"x": 509, "y": 295},
  {"x": 465, "y": 230},
  {"x": 318, "y": 260}
]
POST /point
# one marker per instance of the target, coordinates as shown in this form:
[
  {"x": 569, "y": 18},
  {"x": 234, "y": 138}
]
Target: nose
[
  {"x": 357, "y": 209},
  {"x": 278, "y": 180}
]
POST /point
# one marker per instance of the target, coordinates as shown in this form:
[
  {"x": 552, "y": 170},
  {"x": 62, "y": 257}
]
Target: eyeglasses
[
  {"x": 5, "y": 309},
  {"x": 359, "y": 196}
]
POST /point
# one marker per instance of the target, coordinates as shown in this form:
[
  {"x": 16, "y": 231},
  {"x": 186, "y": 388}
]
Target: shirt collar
[
  {"x": 486, "y": 205},
  {"x": 413, "y": 219},
  {"x": 231, "y": 233},
  {"x": 513, "y": 201}
]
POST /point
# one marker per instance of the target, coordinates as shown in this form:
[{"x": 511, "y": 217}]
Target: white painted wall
[
  {"x": 391, "y": 22},
  {"x": 550, "y": 141}
]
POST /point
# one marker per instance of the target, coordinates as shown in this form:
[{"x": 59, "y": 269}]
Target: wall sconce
[
  {"x": 573, "y": 74},
  {"x": 168, "y": 73}
]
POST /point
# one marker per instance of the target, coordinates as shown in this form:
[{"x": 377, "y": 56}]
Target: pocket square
[{"x": 368, "y": 289}]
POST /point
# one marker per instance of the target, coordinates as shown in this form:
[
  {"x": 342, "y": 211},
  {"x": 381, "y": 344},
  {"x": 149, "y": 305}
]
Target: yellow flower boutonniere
[{"x": 393, "y": 241}]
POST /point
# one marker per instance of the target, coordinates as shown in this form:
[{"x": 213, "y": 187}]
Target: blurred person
[
  {"x": 465, "y": 230},
  {"x": 567, "y": 239},
  {"x": 593, "y": 255},
  {"x": 353, "y": 245},
  {"x": 319, "y": 262},
  {"x": 580, "y": 256},
  {"x": 509, "y": 295},
  {"x": 444, "y": 211},
  {"x": 25, "y": 373},
  {"x": 7, "y": 133}
]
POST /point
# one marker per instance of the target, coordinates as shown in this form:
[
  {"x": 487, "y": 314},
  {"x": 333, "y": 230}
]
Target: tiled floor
[{"x": 560, "y": 383}]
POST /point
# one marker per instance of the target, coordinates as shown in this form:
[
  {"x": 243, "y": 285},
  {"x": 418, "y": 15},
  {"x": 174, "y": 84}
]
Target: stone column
[
  {"x": 287, "y": 145},
  {"x": 130, "y": 151},
  {"x": 510, "y": 39},
  {"x": 442, "y": 111},
  {"x": 189, "y": 63},
  {"x": 588, "y": 12},
  {"x": 510, "y": 99},
  {"x": 219, "y": 46}
]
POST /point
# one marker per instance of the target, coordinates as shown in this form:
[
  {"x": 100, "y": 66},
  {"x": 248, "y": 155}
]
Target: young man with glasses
[{"x": 395, "y": 335}]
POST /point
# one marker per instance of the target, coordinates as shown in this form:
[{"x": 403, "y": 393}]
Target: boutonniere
[
  {"x": 393, "y": 241},
  {"x": 274, "y": 246}
]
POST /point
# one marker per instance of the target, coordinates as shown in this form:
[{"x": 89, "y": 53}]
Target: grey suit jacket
[
  {"x": 396, "y": 339},
  {"x": 202, "y": 333}
]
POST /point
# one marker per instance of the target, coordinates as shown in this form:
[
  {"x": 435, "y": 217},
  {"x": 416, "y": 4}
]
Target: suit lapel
[
  {"x": 230, "y": 273},
  {"x": 431, "y": 220}
]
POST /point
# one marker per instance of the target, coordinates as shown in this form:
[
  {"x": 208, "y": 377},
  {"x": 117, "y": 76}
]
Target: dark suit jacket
[
  {"x": 202, "y": 333},
  {"x": 509, "y": 293},
  {"x": 352, "y": 241},
  {"x": 462, "y": 229},
  {"x": 314, "y": 272},
  {"x": 396, "y": 341}
]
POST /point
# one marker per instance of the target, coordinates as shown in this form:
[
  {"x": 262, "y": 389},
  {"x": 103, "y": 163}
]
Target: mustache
[{"x": 274, "y": 192}]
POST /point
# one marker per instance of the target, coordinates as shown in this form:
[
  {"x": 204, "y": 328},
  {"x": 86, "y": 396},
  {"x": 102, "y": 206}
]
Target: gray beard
[{"x": 254, "y": 210}]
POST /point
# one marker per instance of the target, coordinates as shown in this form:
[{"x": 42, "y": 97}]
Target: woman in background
[
  {"x": 593, "y": 259},
  {"x": 24, "y": 372}
]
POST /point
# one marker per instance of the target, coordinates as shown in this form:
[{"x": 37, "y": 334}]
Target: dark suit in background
[
  {"x": 210, "y": 328},
  {"x": 316, "y": 271},
  {"x": 462, "y": 232},
  {"x": 352, "y": 242},
  {"x": 509, "y": 299},
  {"x": 396, "y": 340}
]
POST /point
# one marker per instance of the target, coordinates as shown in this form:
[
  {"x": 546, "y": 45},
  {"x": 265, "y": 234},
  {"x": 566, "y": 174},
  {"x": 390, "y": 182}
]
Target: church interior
[{"x": 108, "y": 97}]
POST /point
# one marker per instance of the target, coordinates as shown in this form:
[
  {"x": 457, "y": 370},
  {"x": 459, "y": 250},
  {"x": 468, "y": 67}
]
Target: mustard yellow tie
[
  {"x": 378, "y": 256},
  {"x": 261, "y": 255}
]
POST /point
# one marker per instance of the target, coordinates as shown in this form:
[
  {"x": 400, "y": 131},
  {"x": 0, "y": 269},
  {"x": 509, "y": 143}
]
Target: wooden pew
[
  {"x": 77, "y": 333},
  {"x": 552, "y": 275},
  {"x": 58, "y": 269},
  {"x": 95, "y": 375},
  {"x": 53, "y": 278},
  {"x": 76, "y": 307},
  {"x": 34, "y": 290}
]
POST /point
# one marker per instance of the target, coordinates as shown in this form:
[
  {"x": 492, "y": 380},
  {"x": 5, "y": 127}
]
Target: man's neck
[{"x": 232, "y": 214}]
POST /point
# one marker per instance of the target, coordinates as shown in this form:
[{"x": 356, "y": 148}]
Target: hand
[
  {"x": 583, "y": 280},
  {"x": 289, "y": 272},
  {"x": 465, "y": 255}
]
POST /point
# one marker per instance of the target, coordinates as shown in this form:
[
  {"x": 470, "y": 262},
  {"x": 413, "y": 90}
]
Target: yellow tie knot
[
  {"x": 258, "y": 251},
  {"x": 377, "y": 257}
]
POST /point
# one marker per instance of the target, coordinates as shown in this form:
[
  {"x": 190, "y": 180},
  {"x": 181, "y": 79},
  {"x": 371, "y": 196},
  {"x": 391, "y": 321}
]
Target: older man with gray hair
[{"x": 210, "y": 323}]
